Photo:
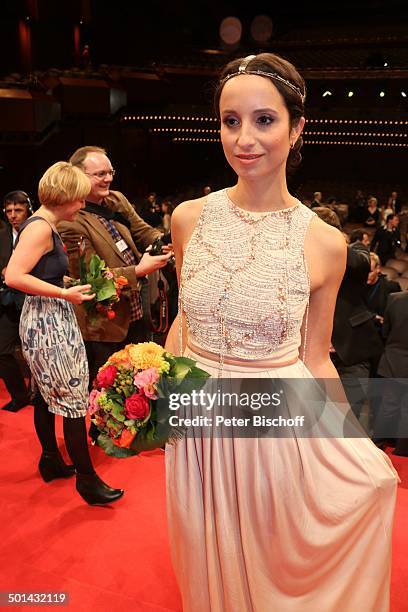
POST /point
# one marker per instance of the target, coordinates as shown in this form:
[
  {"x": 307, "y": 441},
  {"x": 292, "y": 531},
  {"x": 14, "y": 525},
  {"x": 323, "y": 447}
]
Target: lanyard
[{"x": 163, "y": 322}]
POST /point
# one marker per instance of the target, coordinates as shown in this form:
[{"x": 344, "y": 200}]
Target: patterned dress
[{"x": 51, "y": 339}]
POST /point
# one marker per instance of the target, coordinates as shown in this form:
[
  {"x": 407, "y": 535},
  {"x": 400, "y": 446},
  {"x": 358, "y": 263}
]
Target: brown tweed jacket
[{"x": 99, "y": 241}]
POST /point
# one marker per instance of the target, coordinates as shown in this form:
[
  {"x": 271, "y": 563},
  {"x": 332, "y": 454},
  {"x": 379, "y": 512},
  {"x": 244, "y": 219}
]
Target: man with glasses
[{"x": 114, "y": 231}]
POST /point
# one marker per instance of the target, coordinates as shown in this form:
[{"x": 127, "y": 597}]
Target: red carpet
[{"x": 108, "y": 559}]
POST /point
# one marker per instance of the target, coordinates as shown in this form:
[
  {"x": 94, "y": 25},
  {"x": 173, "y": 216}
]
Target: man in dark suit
[
  {"x": 114, "y": 231},
  {"x": 356, "y": 342},
  {"x": 392, "y": 420},
  {"x": 17, "y": 207},
  {"x": 378, "y": 289},
  {"x": 355, "y": 338},
  {"x": 395, "y": 202},
  {"x": 317, "y": 199},
  {"x": 387, "y": 239}
]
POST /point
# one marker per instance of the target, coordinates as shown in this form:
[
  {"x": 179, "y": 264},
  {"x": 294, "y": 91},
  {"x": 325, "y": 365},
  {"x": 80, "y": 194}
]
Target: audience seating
[
  {"x": 390, "y": 273},
  {"x": 398, "y": 264}
]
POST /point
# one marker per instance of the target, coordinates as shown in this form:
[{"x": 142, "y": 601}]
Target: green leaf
[
  {"x": 118, "y": 412},
  {"x": 113, "y": 395},
  {"x": 180, "y": 362},
  {"x": 163, "y": 386},
  {"x": 113, "y": 424},
  {"x": 129, "y": 390},
  {"x": 190, "y": 383},
  {"x": 185, "y": 360},
  {"x": 147, "y": 440},
  {"x": 170, "y": 358},
  {"x": 198, "y": 373},
  {"x": 96, "y": 265},
  {"x": 106, "y": 290}
]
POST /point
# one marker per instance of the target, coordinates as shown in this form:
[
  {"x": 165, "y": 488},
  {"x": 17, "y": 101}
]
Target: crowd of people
[
  {"x": 261, "y": 278},
  {"x": 377, "y": 267}
]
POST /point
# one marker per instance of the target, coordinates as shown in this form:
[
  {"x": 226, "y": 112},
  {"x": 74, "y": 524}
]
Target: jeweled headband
[{"x": 272, "y": 75}]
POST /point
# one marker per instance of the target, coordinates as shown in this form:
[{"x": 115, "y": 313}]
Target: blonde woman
[
  {"x": 51, "y": 340},
  {"x": 373, "y": 213}
]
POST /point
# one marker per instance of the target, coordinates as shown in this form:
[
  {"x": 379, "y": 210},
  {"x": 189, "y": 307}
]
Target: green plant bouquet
[{"x": 104, "y": 284}]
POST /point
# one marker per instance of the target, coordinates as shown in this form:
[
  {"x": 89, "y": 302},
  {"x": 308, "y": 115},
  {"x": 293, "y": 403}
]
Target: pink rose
[
  {"x": 146, "y": 380},
  {"x": 106, "y": 376},
  {"x": 93, "y": 401},
  {"x": 137, "y": 406}
]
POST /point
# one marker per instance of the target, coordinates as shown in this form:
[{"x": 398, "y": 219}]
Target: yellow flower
[{"x": 148, "y": 355}]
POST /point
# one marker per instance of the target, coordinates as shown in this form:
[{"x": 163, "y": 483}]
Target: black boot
[
  {"x": 94, "y": 491},
  {"x": 52, "y": 466}
]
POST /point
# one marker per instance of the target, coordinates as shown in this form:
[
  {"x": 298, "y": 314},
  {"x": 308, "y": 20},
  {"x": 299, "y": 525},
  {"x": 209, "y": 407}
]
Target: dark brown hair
[
  {"x": 328, "y": 216},
  {"x": 269, "y": 62}
]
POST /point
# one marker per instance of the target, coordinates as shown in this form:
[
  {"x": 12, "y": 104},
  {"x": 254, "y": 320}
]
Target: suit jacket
[
  {"x": 385, "y": 242},
  {"x": 6, "y": 244},
  {"x": 100, "y": 242},
  {"x": 11, "y": 300},
  {"x": 394, "y": 362},
  {"x": 377, "y": 295},
  {"x": 355, "y": 337}
]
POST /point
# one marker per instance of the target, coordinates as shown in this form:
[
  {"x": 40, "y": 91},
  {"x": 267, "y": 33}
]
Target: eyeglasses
[{"x": 102, "y": 173}]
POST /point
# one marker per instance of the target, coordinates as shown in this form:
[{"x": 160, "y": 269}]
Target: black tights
[{"x": 74, "y": 435}]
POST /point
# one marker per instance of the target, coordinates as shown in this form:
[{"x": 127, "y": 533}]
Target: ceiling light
[{"x": 230, "y": 30}]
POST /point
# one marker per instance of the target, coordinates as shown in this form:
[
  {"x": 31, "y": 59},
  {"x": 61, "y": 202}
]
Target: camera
[
  {"x": 159, "y": 243},
  {"x": 157, "y": 247}
]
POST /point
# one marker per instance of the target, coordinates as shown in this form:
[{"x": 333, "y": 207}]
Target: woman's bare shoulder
[
  {"x": 37, "y": 228},
  {"x": 185, "y": 218},
  {"x": 328, "y": 239},
  {"x": 188, "y": 211},
  {"x": 325, "y": 250}
]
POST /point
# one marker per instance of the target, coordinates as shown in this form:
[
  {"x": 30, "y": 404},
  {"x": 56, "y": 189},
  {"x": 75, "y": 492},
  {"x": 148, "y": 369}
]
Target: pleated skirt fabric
[
  {"x": 54, "y": 350},
  {"x": 295, "y": 524}
]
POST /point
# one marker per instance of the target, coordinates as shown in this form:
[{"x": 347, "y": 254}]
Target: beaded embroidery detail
[{"x": 244, "y": 283}]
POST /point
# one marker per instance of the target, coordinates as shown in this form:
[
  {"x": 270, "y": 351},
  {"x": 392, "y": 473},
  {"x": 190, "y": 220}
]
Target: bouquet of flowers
[
  {"x": 104, "y": 284},
  {"x": 128, "y": 403}
]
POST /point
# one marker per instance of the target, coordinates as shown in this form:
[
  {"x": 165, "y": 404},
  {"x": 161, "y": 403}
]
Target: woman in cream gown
[{"x": 284, "y": 524}]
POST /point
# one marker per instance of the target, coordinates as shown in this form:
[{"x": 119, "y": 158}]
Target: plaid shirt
[{"x": 136, "y": 311}]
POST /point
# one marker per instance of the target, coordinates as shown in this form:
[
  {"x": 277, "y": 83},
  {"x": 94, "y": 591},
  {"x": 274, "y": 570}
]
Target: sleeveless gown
[{"x": 296, "y": 524}]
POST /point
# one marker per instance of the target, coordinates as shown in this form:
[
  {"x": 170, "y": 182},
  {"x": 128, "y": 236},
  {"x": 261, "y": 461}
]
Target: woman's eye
[
  {"x": 265, "y": 119},
  {"x": 230, "y": 121}
]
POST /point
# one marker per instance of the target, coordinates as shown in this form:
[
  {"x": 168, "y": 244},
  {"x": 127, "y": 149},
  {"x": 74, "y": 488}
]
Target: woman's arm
[
  {"x": 28, "y": 252},
  {"x": 183, "y": 222},
  {"x": 326, "y": 252},
  {"x": 173, "y": 341}
]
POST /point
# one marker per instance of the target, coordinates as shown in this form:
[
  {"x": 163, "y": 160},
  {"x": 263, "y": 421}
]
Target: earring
[{"x": 292, "y": 144}]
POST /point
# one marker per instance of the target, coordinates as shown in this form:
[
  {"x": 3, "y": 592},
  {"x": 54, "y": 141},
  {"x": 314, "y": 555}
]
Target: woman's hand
[{"x": 77, "y": 294}]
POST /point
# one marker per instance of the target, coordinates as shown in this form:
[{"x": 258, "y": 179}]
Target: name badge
[{"x": 121, "y": 246}]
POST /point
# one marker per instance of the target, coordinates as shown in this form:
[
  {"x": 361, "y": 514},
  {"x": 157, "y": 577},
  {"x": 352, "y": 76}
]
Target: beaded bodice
[{"x": 244, "y": 281}]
